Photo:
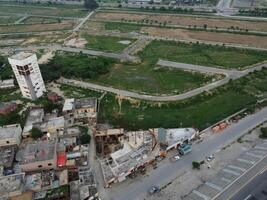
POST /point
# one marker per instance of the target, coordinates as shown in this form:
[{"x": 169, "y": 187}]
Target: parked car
[
  {"x": 153, "y": 189},
  {"x": 175, "y": 158},
  {"x": 211, "y": 157}
]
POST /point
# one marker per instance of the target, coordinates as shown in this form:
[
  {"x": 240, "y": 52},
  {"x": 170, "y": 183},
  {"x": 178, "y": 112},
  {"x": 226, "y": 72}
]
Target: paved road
[
  {"x": 77, "y": 28},
  {"x": 254, "y": 188},
  {"x": 123, "y": 57},
  {"x": 177, "y": 97},
  {"x": 137, "y": 190},
  {"x": 238, "y": 190}
]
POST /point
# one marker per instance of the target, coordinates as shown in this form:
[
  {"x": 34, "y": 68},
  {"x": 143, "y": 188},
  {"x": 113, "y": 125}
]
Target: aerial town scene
[{"x": 133, "y": 99}]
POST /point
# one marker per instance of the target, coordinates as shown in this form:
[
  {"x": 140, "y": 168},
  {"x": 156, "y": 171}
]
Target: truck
[{"x": 184, "y": 149}]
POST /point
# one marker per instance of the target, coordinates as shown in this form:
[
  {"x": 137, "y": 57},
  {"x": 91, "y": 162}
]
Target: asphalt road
[
  {"x": 250, "y": 184},
  {"x": 137, "y": 190}
]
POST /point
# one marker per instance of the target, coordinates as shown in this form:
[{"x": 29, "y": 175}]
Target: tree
[
  {"x": 195, "y": 165},
  {"x": 263, "y": 132},
  {"x": 90, "y": 4},
  {"x": 36, "y": 133},
  {"x": 85, "y": 138}
]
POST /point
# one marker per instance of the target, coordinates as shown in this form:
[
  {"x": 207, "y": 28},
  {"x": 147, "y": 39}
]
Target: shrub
[
  {"x": 263, "y": 132},
  {"x": 36, "y": 133},
  {"x": 195, "y": 165}
]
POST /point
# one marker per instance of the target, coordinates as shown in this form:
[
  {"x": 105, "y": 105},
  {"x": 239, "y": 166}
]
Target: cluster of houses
[
  {"x": 48, "y": 158},
  {"x": 38, "y": 167}
]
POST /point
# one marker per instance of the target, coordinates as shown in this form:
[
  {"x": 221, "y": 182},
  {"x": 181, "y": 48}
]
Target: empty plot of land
[
  {"x": 107, "y": 43},
  {"x": 204, "y": 55},
  {"x": 65, "y": 25},
  {"x": 8, "y": 19},
  {"x": 40, "y": 20},
  {"x": 246, "y": 40},
  {"x": 183, "y": 20},
  {"x": 60, "y": 11}
]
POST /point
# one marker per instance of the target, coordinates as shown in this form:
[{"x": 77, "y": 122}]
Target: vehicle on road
[
  {"x": 175, "y": 158},
  {"x": 184, "y": 149},
  {"x": 211, "y": 157},
  {"x": 153, "y": 190}
]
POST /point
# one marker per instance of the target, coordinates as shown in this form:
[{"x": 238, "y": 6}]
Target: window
[
  {"x": 49, "y": 164},
  {"x": 40, "y": 166},
  {"x": 7, "y": 142}
]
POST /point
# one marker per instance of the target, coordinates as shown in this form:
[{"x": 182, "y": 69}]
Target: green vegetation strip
[
  {"x": 200, "y": 111},
  {"x": 201, "y": 54},
  {"x": 106, "y": 43}
]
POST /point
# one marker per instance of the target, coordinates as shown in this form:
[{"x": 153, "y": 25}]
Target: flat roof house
[
  {"x": 10, "y": 135},
  {"x": 38, "y": 155}
]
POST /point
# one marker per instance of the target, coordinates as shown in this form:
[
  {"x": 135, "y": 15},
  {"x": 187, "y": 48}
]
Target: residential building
[
  {"x": 37, "y": 156},
  {"x": 172, "y": 138},
  {"x": 8, "y": 83},
  {"x": 36, "y": 115},
  {"x": 28, "y": 75},
  {"x": 11, "y": 185},
  {"x": 82, "y": 111},
  {"x": 10, "y": 135}
]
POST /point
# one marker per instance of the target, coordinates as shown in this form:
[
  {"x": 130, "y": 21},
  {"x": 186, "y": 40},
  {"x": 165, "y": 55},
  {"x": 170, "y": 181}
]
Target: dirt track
[
  {"x": 248, "y": 40},
  {"x": 184, "y": 20}
]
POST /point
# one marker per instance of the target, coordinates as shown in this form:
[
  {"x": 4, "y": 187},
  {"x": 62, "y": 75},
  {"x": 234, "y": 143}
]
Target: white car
[{"x": 175, "y": 158}]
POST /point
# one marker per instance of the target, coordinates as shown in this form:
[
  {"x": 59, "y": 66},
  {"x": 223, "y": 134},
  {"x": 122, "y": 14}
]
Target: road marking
[
  {"x": 260, "y": 147},
  {"x": 254, "y": 155},
  {"x": 226, "y": 180},
  {"x": 231, "y": 172},
  {"x": 246, "y": 161},
  {"x": 235, "y": 167},
  {"x": 248, "y": 197},
  {"x": 212, "y": 185},
  {"x": 203, "y": 196}
]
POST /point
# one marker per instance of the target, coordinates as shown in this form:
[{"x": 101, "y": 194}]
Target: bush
[
  {"x": 36, "y": 133},
  {"x": 195, "y": 165},
  {"x": 85, "y": 138},
  {"x": 263, "y": 132}
]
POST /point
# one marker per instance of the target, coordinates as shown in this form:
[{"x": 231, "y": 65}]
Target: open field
[
  {"x": 8, "y": 19},
  {"x": 146, "y": 78},
  {"x": 60, "y": 11},
  {"x": 202, "y": 54},
  {"x": 199, "y": 21},
  {"x": 246, "y": 40},
  {"x": 106, "y": 43},
  {"x": 40, "y": 20},
  {"x": 65, "y": 25},
  {"x": 74, "y": 92},
  {"x": 200, "y": 111}
]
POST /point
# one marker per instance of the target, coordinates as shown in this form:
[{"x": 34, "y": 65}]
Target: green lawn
[
  {"x": 40, "y": 20},
  {"x": 149, "y": 79},
  {"x": 74, "y": 92},
  {"x": 200, "y": 111},
  {"x": 205, "y": 55},
  {"x": 106, "y": 43},
  {"x": 60, "y": 11},
  {"x": 8, "y": 19},
  {"x": 122, "y": 27}
]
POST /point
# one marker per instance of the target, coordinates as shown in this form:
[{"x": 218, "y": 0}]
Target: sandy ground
[
  {"x": 38, "y": 27},
  {"x": 249, "y": 40},
  {"x": 46, "y": 57},
  {"x": 54, "y": 87},
  {"x": 76, "y": 42},
  {"x": 191, "y": 179},
  {"x": 184, "y": 20}
]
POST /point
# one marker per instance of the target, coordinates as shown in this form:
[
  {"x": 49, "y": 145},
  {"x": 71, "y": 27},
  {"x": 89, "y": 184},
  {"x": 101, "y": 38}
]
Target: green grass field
[
  {"x": 53, "y": 10},
  {"x": 40, "y": 20},
  {"x": 122, "y": 27},
  {"x": 106, "y": 43},
  {"x": 149, "y": 79},
  {"x": 200, "y": 111},
  {"x": 74, "y": 92},
  {"x": 8, "y": 19},
  {"x": 201, "y": 54}
]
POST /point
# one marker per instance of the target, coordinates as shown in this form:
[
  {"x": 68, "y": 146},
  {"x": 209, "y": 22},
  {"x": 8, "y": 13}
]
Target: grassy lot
[
  {"x": 106, "y": 43},
  {"x": 200, "y": 111},
  {"x": 146, "y": 78},
  {"x": 74, "y": 92},
  {"x": 122, "y": 27},
  {"x": 60, "y": 10},
  {"x": 6, "y": 71},
  {"x": 40, "y": 20},
  {"x": 201, "y": 54},
  {"x": 8, "y": 19},
  {"x": 64, "y": 25}
]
